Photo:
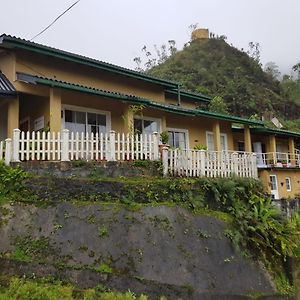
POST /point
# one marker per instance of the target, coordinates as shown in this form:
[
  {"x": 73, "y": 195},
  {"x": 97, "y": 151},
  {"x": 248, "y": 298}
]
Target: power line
[{"x": 56, "y": 19}]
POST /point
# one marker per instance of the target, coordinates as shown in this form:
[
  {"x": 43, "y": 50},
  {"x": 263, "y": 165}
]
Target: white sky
[{"x": 114, "y": 31}]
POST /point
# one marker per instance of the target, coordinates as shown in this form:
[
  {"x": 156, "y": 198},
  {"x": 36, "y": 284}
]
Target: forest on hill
[{"x": 215, "y": 68}]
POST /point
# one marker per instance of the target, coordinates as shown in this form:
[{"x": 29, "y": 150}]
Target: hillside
[
  {"x": 213, "y": 67},
  {"x": 180, "y": 238}
]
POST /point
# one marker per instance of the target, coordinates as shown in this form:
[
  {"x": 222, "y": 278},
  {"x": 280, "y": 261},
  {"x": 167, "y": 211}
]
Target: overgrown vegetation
[
  {"x": 12, "y": 182},
  {"x": 256, "y": 227},
  {"x": 215, "y": 68},
  {"x": 48, "y": 290}
]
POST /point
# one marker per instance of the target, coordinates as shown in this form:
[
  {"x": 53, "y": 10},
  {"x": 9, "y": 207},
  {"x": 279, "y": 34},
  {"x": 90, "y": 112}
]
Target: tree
[
  {"x": 296, "y": 68},
  {"x": 254, "y": 51},
  {"x": 161, "y": 54},
  {"x": 218, "y": 105},
  {"x": 272, "y": 70}
]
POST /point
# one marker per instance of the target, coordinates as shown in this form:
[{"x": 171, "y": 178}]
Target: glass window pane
[
  {"x": 171, "y": 139},
  {"x": 149, "y": 126},
  {"x": 138, "y": 126},
  {"x": 273, "y": 183},
  {"x": 101, "y": 120},
  {"x": 69, "y": 116},
  {"x": 80, "y": 117},
  {"x": 223, "y": 142},
  {"x": 181, "y": 140},
  {"x": 210, "y": 142},
  {"x": 91, "y": 119}
]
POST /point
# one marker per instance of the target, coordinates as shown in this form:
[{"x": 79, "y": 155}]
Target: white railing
[
  {"x": 2, "y": 150},
  {"x": 278, "y": 159},
  {"x": 198, "y": 163},
  {"x": 66, "y": 146}
]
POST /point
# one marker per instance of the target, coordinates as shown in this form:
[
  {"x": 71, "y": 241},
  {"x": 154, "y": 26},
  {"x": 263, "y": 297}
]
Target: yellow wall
[
  {"x": 197, "y": 128},
  {"x": 201, "y": 33},
  {"x": 281, "y": 174},
  {"x": 184, "y": 103},
  {"x": 8, "y": 65},
  {"x": 83, "y": 75}
]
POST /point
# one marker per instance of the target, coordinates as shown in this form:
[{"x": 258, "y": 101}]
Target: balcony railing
[
  {"x": 201, "y": 163},
  {"x": 278, "y": 159},
  {"x": 67, "y": 146}
]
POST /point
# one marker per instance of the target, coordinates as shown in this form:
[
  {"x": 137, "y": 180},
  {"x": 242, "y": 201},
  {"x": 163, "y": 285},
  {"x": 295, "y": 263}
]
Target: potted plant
[
  {"x": 284, "y": 163},
  {"x": 164, "y": 138},
  {"x": 200, "y": 147}
]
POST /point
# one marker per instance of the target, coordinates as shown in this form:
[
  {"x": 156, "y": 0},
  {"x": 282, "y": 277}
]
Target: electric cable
[{"x": 56, "y": 19}]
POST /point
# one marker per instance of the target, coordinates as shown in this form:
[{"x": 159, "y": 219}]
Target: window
[
  {"x": 241, "y": 146},
  {"x": 146, "y": 125},
  {"x": 77, "y": 120},
  {"x": 288, "y": 184},
  {"x": 178, "y": 138},
  {"x": 210, "y": 141}
]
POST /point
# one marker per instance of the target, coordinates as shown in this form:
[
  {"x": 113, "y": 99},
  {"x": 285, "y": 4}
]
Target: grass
[{"x": 24, "y": 289}]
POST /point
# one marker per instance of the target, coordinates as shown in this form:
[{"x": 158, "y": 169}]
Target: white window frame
[
  {"x": 221, "y": 134},
  {"x": 289, "y": 185},
  {"x": 145, "y": 118},
  {"x": 274, "y": 193},
  {"x": 87, "y": 110},
  {"x": 185, "y": 131}
]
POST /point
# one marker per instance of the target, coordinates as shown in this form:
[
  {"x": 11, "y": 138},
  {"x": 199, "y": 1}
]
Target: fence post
[
  {"x": 235, "y": 164},
  {"x": 112, "y": 146},
  {"x": 16, "y": 145},
  {"x": 165, "y": 160},
  {"x": 155, "y": 146},
  {"x": 254, "y": 165},
  {"x": 65, "y": 145},
  {"x": 8, "y": 153},
  {"x": 202, "y": 162}
]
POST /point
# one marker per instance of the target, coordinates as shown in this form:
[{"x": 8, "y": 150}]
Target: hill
[{"x": 213, "y": 67}]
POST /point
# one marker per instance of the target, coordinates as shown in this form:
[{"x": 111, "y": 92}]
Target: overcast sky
[{"x": 115, "y": 31}]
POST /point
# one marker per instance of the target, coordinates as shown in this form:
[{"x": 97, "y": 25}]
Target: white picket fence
[
  {"x": 2, "y": 149},
  {"x": 201, "y": 163},
  {"x": 66, "y": 146}
]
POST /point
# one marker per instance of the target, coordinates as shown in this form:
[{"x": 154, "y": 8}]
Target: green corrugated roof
[
  {"x": 270, "y": 131},
  {"x": 132, "y": 99},
  {"x": 274, "y": 131},
  {"x": 190, "y": 96},
  {"x": 8, "y": 41}
]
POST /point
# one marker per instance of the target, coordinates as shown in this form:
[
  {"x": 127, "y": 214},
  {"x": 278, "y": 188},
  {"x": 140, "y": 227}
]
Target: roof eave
[
  {"x": 168, "y": 108},
  {"x": 10, "y": 42}
]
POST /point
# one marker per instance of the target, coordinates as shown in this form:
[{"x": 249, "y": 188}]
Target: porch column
[
  {"x": 292, "y": 152},
  {"x": 217, "y": 136},
  {"x": 128, "y": 120},
  {"x": 12, "y": 116},
  {"x": 247, "y": 139},
  {"x": 272, "y": 149},
  {"x": 55, "y": 110}
]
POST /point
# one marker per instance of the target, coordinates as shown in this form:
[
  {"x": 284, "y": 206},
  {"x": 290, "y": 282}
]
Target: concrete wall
[{"x": 201, "y": 33}]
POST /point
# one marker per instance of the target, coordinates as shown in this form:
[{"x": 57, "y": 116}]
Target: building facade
[{"x": 46, "y": 89}]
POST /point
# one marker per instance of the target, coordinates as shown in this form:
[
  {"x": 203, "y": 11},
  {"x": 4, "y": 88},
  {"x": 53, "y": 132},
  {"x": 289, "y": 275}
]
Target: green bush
[
  {"x": 30, "y": 290},
  {"x": 22, "y": 289},
  {"x": 12, "y": 181}
]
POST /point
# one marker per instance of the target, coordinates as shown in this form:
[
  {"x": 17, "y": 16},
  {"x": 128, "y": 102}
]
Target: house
[{"x": 47, "y": 89}]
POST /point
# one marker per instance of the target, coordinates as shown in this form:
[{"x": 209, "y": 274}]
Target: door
[
  {"x": 257, "y": 147},
  {"x": 274, "y": 187}
]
